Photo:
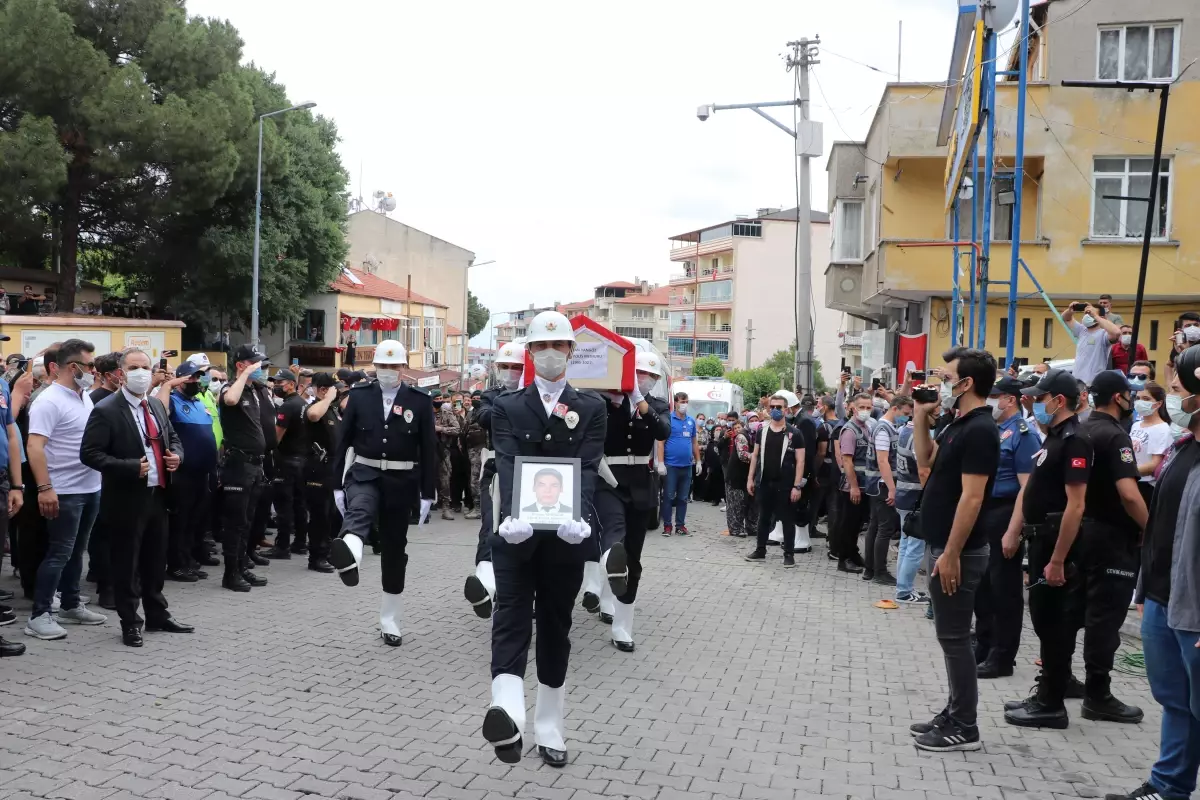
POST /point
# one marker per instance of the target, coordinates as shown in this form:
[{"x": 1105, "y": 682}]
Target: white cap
[
  {"x": 200, "y": 359},
  {"x": 550, "y": 326},
  {"x": 389, "y": 351},
  {"x": 511, "y": 353},
  {"x": 649, "y": 362}
]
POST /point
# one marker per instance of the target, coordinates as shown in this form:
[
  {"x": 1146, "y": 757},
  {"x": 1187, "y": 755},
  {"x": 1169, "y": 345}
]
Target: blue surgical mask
[
  {"x": 259, "y": 375},
  {"x": 902, "y": 419},
  {"x": 1137, "y": 382},
  {"x": 1088, "y": 320},
  {"x": 205, "y": 381},
  {"x": 776, "y": 414},
  {"x": 1040, "y": 414}
]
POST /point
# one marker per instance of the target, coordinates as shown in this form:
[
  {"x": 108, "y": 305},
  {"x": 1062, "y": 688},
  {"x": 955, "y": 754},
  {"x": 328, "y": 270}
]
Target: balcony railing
[
  {"x": 850, "y": 339},
  {"x": 681, "y": 300}
]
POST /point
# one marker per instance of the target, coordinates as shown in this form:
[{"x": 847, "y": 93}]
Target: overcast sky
[{"x": 565, "y": 144}]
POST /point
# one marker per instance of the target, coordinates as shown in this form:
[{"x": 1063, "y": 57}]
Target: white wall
[{"x": 826, "y": 321}]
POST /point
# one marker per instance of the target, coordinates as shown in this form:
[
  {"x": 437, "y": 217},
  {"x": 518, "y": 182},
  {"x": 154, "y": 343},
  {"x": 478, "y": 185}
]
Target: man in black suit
[
  {"x": 130, "y": 441},
  {"x": 547, "y": 489},
  {"x": 549, "y": 418}
]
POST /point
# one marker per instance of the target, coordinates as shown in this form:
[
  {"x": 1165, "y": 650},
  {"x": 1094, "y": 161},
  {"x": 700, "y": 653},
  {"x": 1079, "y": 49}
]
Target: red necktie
[{"x": 155, "y": 443}]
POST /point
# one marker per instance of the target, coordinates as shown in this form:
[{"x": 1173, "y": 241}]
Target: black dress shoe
[
  {"x": 1033, "y": 714},
  {"x": 868, "y": 574},
  {"x": 1110, "y": 709},
  {"x": 257, "y": 559},
  {"x": 182, "y": 576},
  {"x": 8, "y": 648},
  {"x": 277, "y": 554},
  {"x": 234, "y": 582},
  {"x": 252, "y": 579},
  {"x": 756, "y": 555},
  {"x": 832, "y": 556},
  {"x": 299, "y": 550},
  {"x": 590, "y": 603},
  {"x": 477, "y": 595},
  {"x": 170, "y": 625},
  {"x": 606, "y": 618},
  {"x": 617, "y": 567},
  {"x": 624, "y": 647},
  {"x": 553, "y": 758},
  {"x": 321, "y": 566},
  {"x": 206, "y": 559},
  {"x": 846, "y": 565},
  {"x": 199, "y": 573},
  {"x": 392, "y": 640},
  {"x": 885, "y": 578},
  {"x": 131, "y": 635},
  {"x": 501, "y": 731},
  {"x": 990, "y": 669},
  {"x": 342, "y": 559}
]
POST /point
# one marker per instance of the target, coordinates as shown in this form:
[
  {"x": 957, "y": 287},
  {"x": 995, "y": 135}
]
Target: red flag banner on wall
[
  {"x": 350, "y": 323},
  {"x": 381, "y": 324},
  {"x": 910, "y": 354}
]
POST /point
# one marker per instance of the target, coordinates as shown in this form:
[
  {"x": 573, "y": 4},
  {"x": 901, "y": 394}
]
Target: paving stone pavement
[{"x": 749, "y": 681}]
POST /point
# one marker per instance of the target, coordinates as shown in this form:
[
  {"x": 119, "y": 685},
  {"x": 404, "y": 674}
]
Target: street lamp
[
  {"x": 467, "y": 315},
  {"x": 258, "y": 220}
]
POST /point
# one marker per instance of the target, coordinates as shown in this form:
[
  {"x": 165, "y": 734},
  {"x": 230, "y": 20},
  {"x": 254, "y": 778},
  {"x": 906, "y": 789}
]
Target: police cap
[
  {"x": 1108, "y": 383},
  {"x": 1054, "y": 382},
  {"x": 1007, "y": 385},
  {"x": 322, "y": 380}
]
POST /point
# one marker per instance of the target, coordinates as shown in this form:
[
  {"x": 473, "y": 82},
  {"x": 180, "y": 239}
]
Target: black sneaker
[
  {"x": 868, "y": 574},
  {"x": 1110, "y": 709},
  {"x": 789, "y": 561},
  {"x": 1144, "y": 792},
  {"x": 918, "y": 728},
  {"x": 991, "y": 669},
  {"x": 913, "y": 598},
  {"x": 757, "y": 555},
  {"x": 949, "y": 737}
]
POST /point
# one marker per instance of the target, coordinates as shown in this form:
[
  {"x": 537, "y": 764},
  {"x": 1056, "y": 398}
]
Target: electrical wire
[
  {"x": 838, "y": 122},
  {"x": 1049, "y": 121}
]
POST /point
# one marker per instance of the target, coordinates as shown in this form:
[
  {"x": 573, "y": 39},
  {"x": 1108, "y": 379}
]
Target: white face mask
[
  {"x": 1144, "y": 408},
  {"x": 1192, "y": 334},
  {"x": 863, "y": 415},
  {"x": 215, "y": 387},
  {"x": 137, "y": 381},
  {"x": 1088, "y": 320},
  {"x": 646, "y": 385},
  {"x": 1126, "y": 339},
  {"x": 508, "y": 378},
  {"x": 550, "y": 363},
  {"x": 388, "y": 378},
  {"x": 1175, "y": 411},
  {"x": 84, "y": 380},
  {"x": 994, "y": 403},
  {"x": 681, "y": 408}
]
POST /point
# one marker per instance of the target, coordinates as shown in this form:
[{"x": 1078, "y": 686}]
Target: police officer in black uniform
[
  {"x": 625, "y": 494},
  {"x": 1109, "y": 546},
  {"x": 291, "y": 515},
  {"x": 261, "y": 516},
  {"x": 322, "y": 419},
  {"x": 1000, "y": 599},
  {"x": 549, "y": 418},
  {"x": 242, "y": 476},
  {"x": 386, "y": 464},
  {"x": 480, "y": 588},
  {"x": 1049, "y": 513}
]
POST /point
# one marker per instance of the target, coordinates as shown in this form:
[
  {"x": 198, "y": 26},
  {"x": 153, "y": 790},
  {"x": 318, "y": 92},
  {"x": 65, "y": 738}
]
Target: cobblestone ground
[{"x": 749, "y": 682}]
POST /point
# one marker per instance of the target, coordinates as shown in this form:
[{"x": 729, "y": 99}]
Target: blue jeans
[
  {"x": 675, "y": 495},
  {"x": 912, "y": 552},
  {"x": 66, "y": 542},
  {"x": 1173, "y": 667}
]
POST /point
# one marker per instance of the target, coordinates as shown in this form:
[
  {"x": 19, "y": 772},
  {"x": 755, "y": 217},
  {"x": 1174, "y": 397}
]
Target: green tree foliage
[
  {"x": 783, "y": 364},
  {"x": 477, "y": 315},
  {"x": 708, "y": 367},
  {"x": 755, "y": 383},
  {"x": 133, "y": 131}
]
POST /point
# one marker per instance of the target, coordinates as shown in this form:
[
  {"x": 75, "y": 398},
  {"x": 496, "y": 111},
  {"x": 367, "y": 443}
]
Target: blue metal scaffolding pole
[
  {"x": 989, "y": 92},
  {"x": 974, "y": 238},
  {"x": 955, "y": 292},
  {"x": 1018, "y": 182}
]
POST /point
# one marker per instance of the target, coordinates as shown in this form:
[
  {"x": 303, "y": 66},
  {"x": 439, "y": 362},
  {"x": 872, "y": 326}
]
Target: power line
[
  {"x": 1097, "y": 131},
  {"x": 821, "y": 89}
]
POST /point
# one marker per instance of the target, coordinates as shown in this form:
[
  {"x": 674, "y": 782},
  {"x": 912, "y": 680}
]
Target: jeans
[
  {"x": 66, "y": 542},
  {"x": 1173, "y": 667},
  {"x": 675, "y": 496},
  {"x": 952, "y": 614},
  {"x": 912, "y": 552}
]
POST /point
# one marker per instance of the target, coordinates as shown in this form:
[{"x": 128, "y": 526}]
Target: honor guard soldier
[
  {"x": 548, "y": 418},
  {"x": 1000, "y": 600},
  {"x": 625, "y": 496},
  {"x": 480, "y": 588},
  {"x": 1049, "y": 512},
  {"x": 322, "y": 420},
  {"x": 386, "y": 464}
]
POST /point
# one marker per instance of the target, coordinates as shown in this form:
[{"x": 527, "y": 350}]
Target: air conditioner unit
[{"x": 843, "y": 287}]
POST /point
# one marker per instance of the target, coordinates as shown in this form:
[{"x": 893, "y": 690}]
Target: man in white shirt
[
  {"x": 68, "y": 492},
  {"x": 1095, "y": 336}
]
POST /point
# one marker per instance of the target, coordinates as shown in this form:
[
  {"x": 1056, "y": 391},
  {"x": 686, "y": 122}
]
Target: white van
[{"x": 709, "y": 396}]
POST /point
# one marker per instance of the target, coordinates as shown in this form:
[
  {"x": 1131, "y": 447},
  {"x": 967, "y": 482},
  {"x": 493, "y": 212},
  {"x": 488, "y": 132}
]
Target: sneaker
[
  {"x": 919, "y": 728},
  {"x": 913, "y": 598},
  {"x": 789, "y": 561},
  {"x": 1144, "y": 792},
  {"x": 44, "y": 627},
  {"x": 885, "y": 579},
  {"x": 80, "y": 615},
  {"x": 682, "y": 530},
  {"x": 949, "y": 737},
  {"x": 666, "y": 531},
  {"x": 56, "y": 603},
  {"x": 756, "y": 555},
  {"x": 868, "y": 574}
]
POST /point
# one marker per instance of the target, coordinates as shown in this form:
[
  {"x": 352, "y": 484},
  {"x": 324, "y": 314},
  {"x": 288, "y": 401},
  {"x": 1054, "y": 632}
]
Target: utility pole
[
  {"x": 749, "y": 339},
  {"x": 804, "y": 52}
]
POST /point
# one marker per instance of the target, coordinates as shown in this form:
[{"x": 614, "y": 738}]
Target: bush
[
  {"x": 708, "y": 367},
  {"x": 755, "y": 383}
]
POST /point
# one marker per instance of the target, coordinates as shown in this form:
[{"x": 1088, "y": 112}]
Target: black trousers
[
  {"x": 622, "y": 521},
  {"x": 99, "y": 562},
  {"x": 318, "y": 501},
  {"x": 291, "y": 512},
  {"x": 138, "y": 549},
  {"x": 487, "y": 523},
  {"x": 775, "y": 505},
  {"x": 884, "y": 526},
  {"x": 243, "y": 487},
  {"x": 190, "y": 502},
  {"x": 850, "y": 518},
  {"x": 260, "y": 512},
  {"x": 31, "y": 533},
  {"x": 390, "y": 502},
  {"x": 1000, "y": 598},
  {"x": 546, "y": 567}
]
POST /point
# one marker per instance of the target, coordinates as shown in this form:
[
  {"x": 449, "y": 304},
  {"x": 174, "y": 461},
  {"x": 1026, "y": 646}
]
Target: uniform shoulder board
[
  {"x": 419, "y": 390},
  {"x": 1022, "y": 426},
  {"x": 359, "y": 385}
]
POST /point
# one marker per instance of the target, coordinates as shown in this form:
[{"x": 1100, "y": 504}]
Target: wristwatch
[{"x": 18, "y": 488}]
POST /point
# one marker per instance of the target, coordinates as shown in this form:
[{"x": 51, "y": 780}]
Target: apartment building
[
  {"x": 737, "y": 275},
  {"x": 1087, "y": 152},
  {"x": 638, "y": 310},
  {"x": 517, "y": 324}
]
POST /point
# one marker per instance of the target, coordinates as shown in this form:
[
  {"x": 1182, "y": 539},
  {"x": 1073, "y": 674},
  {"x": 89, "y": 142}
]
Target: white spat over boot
[
  {"x": 389, "y": 620},
  {"x": 548, "y": 728},
  {"x": 592, "y": 578},
  {"x": 480, "y": 589},
  {"x": 505, "y": 719},
  {"x": 803, "y": 543},
  {"x": 622, "y": 627},
  {"x": 607, "y": 601}
]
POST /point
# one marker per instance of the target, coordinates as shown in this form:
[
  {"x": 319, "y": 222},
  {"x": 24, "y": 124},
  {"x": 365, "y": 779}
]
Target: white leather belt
[
  {"x": 385, "y": 466},
  {"x": 627, "y": 461}
]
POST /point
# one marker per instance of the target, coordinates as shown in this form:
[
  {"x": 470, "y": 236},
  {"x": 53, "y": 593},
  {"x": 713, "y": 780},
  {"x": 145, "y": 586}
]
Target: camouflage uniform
[
  {"x": 474, "y": 440},
  {"x": 448, "y": 420}
]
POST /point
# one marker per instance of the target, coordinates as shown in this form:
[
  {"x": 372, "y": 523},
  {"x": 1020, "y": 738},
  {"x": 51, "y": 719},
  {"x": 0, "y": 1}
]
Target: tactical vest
[
  {"x": 833, "y": 428},
  {"x": 864, "y": 452},
  {"x": 874, "y": 476},
  {"x": 908, "y": 481}
]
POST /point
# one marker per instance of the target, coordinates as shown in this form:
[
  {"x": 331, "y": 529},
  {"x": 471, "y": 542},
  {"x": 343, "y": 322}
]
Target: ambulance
[{"x": 709, "y": 396}]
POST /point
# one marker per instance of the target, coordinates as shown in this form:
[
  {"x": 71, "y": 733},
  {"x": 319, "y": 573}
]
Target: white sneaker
[
  {"x": 56, "y": 603},
  {"x": 44, "y": 627},
  {"x": 80, "y": 615}
]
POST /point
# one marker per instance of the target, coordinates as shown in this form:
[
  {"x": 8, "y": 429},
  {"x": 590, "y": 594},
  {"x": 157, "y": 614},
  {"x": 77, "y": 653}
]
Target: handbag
[{"x": 912, "y": 525}]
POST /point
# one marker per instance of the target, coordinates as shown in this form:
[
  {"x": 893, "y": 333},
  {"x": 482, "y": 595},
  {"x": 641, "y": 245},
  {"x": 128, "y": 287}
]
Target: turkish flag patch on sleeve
[
  {"x": 282, "y": 418},
  {"x": 1078, "y": 463}
]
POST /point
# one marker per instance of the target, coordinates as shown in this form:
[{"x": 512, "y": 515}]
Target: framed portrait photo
[{"x": 546, "y": 491}]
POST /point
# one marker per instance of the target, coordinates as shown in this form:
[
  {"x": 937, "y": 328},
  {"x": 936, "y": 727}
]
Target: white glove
[
  {"x": 699, "y": 468},
  {"x": 660, "y": 468},
  {"x": 514, "y": 531},
  {"x": 339, "y": 500},
  {"x": 574, "y": 532},
  {"x": 636, "y": 396},
  {"x": 424, "y": 516}
]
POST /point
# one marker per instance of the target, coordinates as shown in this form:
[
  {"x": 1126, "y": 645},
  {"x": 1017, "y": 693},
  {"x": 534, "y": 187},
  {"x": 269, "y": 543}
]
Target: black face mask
[
  {"x": 437, "y": 404},
  {"x": 191, "y": 389},
  {"x": 281, "y": 391},
  {"x": 476, "y": 403}
]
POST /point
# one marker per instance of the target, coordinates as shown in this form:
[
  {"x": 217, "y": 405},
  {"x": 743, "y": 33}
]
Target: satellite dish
[
  {"x": 379, "y": 194},
  {"x": 388, "y": 203},
  {"x": 999, "y": 13}
]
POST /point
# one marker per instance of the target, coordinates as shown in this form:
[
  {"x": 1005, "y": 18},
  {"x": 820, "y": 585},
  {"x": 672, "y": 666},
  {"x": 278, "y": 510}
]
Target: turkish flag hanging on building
[{"x": 910, "y": 353}]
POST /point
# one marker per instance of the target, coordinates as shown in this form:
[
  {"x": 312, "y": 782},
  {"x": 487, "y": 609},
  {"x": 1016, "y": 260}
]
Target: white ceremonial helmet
[
  {"x": 389, "y": 351},
  {"x": 511, "y": 353},
  {"x": 788, "y": 397},
  {"x": 478, "y": 371},
  {"x": 550, "y": 326},
  {"x": 649, "y": 362}
]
